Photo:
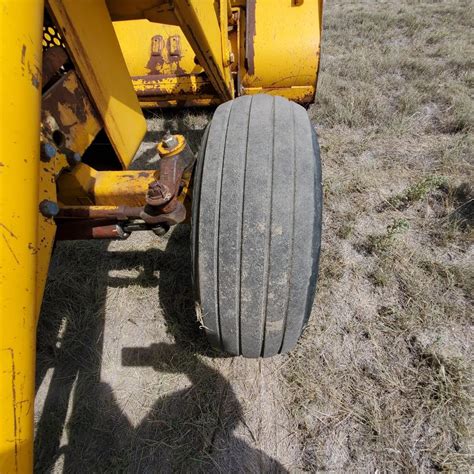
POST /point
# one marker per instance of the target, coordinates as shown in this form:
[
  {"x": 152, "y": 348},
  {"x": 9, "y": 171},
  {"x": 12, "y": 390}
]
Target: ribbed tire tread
[{"x": 257, "y": 204}]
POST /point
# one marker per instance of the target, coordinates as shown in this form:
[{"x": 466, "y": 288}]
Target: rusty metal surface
[
  {"x": 153, "y": 215},
  {"x": 162, "y": 200},
  {"x": 174, "y": 57},
  {"x": 95, "y": 229},
  {"x": 168, "y": 87},
  {"x": 68, "y": 126},
  {"x": 165, "y": 56},
  {"x": 53, "y": 59},
  {"x": 99, "y": 212},
  {"x": 94, "y": 49},
  {"x": 182, "y": 102},
  {"x": 249, "y": 37},
  {"x": 171, "y": 71},
  {"x": 68, "y": 118}
]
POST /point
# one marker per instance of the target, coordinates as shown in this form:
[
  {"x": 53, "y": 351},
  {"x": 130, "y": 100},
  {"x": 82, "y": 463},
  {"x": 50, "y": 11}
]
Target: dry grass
[{"x": 382, "y": 377}]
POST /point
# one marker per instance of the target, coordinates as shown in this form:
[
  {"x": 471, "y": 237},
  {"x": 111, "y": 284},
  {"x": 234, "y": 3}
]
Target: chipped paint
[
  {"x": 15, "y": 419},
  {"x": 67, "y": 109},
  {"x": 251, "y": 31},
  {"x": 23, "y": 54}
]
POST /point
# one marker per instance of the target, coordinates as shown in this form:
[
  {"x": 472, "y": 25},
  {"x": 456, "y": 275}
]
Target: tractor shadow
[{"x": 82, "y": 427}]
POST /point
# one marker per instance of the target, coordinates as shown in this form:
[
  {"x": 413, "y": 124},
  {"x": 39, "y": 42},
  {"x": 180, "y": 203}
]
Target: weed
[
  {"x": 381, "y": 243},
  {"x": 417, "y": 192}
]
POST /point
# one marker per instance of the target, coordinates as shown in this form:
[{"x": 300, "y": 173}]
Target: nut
[{"x": 169, "y": 141}]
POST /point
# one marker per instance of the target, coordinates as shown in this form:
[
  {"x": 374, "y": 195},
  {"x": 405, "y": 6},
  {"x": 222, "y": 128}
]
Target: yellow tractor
[{"x": 78, "y": 72}]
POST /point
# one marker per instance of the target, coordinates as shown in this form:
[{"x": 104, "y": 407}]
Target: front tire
[{"x": 256, "y": 220}]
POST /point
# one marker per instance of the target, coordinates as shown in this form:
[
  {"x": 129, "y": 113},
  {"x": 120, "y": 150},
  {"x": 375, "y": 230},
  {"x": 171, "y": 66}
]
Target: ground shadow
[{"x": 190, "y": 430}]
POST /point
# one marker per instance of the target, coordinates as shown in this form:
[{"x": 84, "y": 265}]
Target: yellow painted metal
[
  {"x": 87, "y": 29},
  {"x": 274, "y": 47},
  {"x": 204, "y": 24},
  {"x": 205, "y": 32},
  {"x": 146, "y": 54},
  {"x": 162, "y": 64},
  {"x": 162, "y": 11},
  {"x": 282, "y": 48},
  {"x": 174, "y": 86},
  {"x": 84, "y": 186},
  {"x": 201, "y": 25},
  {"x": 20, "y": 98},
  {"x": 46, "y": 225},
  {"x": 300, "y": 94}
]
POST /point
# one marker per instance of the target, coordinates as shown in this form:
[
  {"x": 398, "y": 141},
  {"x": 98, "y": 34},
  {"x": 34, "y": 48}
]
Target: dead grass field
[{"x": 381, "y": 380}]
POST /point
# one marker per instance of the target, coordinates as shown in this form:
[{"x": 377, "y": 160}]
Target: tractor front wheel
[{"x": 256, "y": 221}]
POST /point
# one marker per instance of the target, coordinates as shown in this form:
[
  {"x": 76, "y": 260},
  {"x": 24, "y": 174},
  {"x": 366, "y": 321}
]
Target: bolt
[
  {"x": 47, "y": 152},
  {"x": 48, "y": 208},
  {"x": 72, "y": 157},
  {"x": 161, "y": 229},
  {"x": 121, "y": 233},
  {"x": 158, "y": 194},
  {"x": 169, "y": 141},
  {"x": 155, "y": 190}
]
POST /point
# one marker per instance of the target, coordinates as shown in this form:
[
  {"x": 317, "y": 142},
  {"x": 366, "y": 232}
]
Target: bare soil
[{"x": 382, "y": 378}]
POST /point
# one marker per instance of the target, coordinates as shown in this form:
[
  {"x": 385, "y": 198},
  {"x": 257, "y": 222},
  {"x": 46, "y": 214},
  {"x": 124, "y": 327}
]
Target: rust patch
[
  {"x": 173, "y": 45},
  {"x": 66, "y": 109},
  {"x": 53, "y": 59},
  {"x": 165, "y": 56},
  {"x": 35, "y": 74},
  {"x": 151, "y": 86},
  {"x": 35, "y": 81},
  {"x": 89, "y": 229},
  {"x": 15, "y": 422},
  {"x": 32, "y": 248},
  {"x": 156, "y": 60},
  {"x": 249, "y": 37},
  {"x": 23, "y": 54}
]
